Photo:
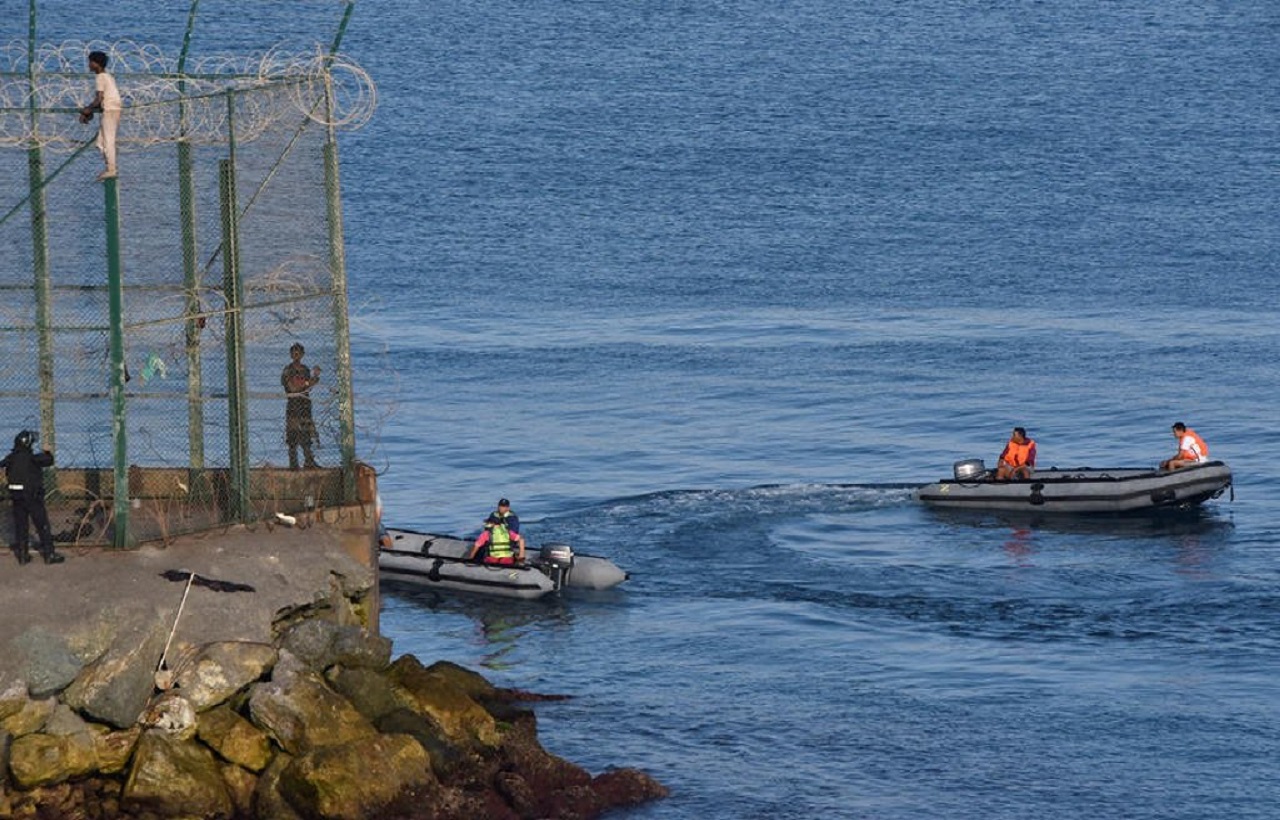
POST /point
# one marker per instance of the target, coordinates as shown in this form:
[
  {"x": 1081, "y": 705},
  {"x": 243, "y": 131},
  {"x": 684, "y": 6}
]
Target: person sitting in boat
[
  {"x": 500, "y": 538},
  {"x": 1191, "y": 449},
  {"x": 1018, "y": 458}
]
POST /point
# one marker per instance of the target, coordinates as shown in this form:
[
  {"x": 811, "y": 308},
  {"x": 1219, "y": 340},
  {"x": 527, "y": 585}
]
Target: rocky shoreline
[{"x": 313, "y": 720}]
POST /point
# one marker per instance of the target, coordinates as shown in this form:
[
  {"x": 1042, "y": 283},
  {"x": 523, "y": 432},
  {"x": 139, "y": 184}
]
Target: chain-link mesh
[{"x": 267, "y": 125}]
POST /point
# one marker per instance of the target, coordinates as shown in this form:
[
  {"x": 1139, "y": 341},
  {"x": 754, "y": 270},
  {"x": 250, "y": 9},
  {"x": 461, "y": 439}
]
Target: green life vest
[{"x": 499, "y": 540}]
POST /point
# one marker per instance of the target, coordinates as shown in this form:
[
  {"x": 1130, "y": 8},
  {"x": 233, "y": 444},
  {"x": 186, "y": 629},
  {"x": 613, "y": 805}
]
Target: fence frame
[{"x": 239, "y": 481}]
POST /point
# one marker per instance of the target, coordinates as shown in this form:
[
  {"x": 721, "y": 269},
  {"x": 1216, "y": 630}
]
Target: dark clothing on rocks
[{"x": 25, "y": 472}]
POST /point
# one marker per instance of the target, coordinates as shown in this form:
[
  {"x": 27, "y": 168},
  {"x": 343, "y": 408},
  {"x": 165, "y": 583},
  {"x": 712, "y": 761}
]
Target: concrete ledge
[{"x": 288, "y": 567}]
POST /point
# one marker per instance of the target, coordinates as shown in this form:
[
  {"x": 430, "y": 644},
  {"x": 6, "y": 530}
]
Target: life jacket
[
  {"x": 1019, "y": 455},
  {"x": 499, "y": 537},
  {"x": 1191, "y": 455}
]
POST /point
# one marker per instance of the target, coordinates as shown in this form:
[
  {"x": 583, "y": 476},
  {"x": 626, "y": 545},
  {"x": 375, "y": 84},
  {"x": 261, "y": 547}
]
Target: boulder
[
  {"x": 310, "y": 641},
  {"x": 6, "y": 742},
  {"x": 450, "y": 762},
  {"x": 13, "y": 698},
  {"x": 321, "y": 643},
  {"x": 175, "y": 778},
  {"x": 267, "y": 799},
  {"x": 369, "y": 691},
  {"x": 240, "y": 785},
  {"x": 30, "y": 717},
  {"x": 349, "y": 781},
  {"x": 44, "y": 660},
  {"x": 379, "y": 700},
  {"x": 627, "y": 787},
  {"x": 219, "y": 670},
  {"x": 302, "y": 713},
  {"x": 235, "y": 739},
  {"x": 64, "y": 721},
  {"x": 115, "y": 688},
  {"x": 459, "y": 677},
  {"x": 41, "y": 759},
  {"x": 437, "y": 695},
  {"x": 358, "y": 648},
  {"x": 114, "y": 748}
]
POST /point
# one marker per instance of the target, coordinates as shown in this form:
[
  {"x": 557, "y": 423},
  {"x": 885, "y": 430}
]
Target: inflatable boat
[
  {"x": 1081, "y": 490},
  {"x": 440, "y": 561}
]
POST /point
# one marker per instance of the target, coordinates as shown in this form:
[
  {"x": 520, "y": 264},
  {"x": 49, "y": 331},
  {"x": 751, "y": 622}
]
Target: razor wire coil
[{"x": 41, "y": 92}]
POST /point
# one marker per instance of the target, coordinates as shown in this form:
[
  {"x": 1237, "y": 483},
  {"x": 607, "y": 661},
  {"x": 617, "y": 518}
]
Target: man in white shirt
[
  {"x": 106, "y": 100},
  {"x": 1191, "y": 448}
]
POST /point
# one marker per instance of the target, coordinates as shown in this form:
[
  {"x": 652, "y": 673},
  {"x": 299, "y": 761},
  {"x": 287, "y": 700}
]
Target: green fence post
[
  {"x": 233, "y": 292},
  {"x": 119, "y": 429},
  {"x": 338, "y": 271},
  {"x": 190, "y": 269},
  {"x": 341, "y": 323},
  {"x": 40, "y": 253}
]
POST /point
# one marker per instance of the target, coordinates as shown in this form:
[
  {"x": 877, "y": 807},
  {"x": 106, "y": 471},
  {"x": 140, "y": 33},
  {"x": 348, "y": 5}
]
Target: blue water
[
  {"x": 707, "y": 287},
  {"x": 704, "y": 287}
]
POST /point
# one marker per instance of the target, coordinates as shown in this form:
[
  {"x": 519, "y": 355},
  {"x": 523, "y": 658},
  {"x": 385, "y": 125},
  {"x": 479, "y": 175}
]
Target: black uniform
[{"x": 25, "y": 472}]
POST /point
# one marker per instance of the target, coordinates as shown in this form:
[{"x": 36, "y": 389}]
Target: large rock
[
  {"x": 114, "y": 749},
  {"x": 30, "y": 716},
  {"x": 379, "y": 700},
  {"x": 64, "y": 721},
  {"x": 176, "y": 778},
  {"x": 42, "y": 760},
  {"x": 356, "y": 647},
  {"x": 219, "y": 670},
  {"x": 13, "y": 698},
  {"x": 115, "y": 688},
  {"x": 438, "y": 695},
  {"x": 235, "y": 739},
  {"x": 240, "y": 785},
  {"x": 267, "y": 799},
  {"x": 459, "y": 677},
  {"x": 321, "y": 643},
  {"x": 450, "y": 762},
  {"x": 369, "y": 691},
  {"x": 301, "y": 713},
  {"x": 44, "y": 660},
  {"x": 6, "y": 742},
  {"x": 350, "y": 781}
]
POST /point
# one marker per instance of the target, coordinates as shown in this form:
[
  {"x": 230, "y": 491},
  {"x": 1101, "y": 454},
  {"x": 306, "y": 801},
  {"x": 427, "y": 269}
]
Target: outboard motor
[
  {"x": 970, "y": 469},
  {"x": 556, "y": 561}
]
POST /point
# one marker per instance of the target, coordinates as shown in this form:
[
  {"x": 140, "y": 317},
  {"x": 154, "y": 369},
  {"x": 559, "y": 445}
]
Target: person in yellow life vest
[
  {"x": 1018, "y": 458},
  {"x": 1191, "y": 448},
  {"x": 500, "y": 538}
]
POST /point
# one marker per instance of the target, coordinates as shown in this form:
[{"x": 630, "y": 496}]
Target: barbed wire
[{"x": 163, "y": 105}]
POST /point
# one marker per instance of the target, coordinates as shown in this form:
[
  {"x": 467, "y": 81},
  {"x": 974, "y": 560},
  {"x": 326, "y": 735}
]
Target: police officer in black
[{"x": 24, "y": 469}]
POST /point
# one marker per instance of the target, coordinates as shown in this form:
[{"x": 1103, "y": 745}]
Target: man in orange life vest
[
  {"x": 1191, "y": 448},
  {"x": 1018, "y": 458}
]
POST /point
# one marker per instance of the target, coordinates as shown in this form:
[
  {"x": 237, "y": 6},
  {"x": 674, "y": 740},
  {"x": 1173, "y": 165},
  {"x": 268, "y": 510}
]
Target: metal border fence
[{"x": 147, "y": 322}]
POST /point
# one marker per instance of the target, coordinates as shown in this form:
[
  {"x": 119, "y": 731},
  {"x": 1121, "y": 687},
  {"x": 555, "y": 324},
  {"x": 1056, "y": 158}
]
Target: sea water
[{"x": 708, "y": 288}]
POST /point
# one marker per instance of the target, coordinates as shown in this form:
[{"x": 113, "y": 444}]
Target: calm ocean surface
[{"x": 707, "y": 287}]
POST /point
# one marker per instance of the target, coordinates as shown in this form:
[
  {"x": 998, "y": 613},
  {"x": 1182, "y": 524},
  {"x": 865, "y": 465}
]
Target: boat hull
[
  {"x": 434, "y": 560},
  {"x": 1085, "y": 490}
]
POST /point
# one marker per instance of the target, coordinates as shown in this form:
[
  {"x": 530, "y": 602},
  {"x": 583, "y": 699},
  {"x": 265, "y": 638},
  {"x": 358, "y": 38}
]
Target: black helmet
[{"x": 24, "y": 440}]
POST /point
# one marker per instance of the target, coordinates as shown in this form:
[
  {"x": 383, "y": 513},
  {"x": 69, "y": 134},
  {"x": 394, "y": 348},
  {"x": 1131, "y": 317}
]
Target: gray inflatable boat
[
  {"x": 440, "y": 561},
  {"x": 1080, "y": 490}
]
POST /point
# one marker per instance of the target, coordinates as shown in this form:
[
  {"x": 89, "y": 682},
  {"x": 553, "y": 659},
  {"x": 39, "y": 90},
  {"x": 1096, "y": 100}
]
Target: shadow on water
[
  {"x": 1198, "y": 521},
  {"x": 501, "y": 622}
]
